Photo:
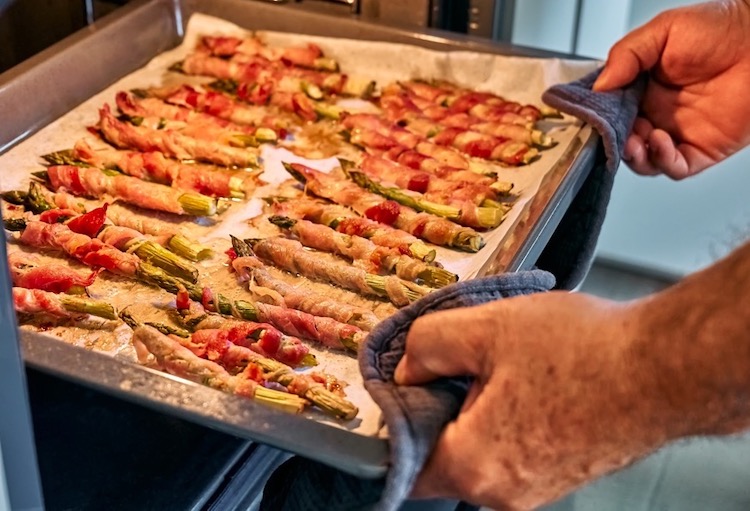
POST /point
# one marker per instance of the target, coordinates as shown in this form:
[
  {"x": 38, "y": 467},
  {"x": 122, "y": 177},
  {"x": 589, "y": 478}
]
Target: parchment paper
[{"x": 520, "y": 79}]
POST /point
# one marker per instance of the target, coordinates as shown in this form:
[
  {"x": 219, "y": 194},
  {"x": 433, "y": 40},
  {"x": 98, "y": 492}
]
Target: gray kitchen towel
[
  {"x": 416, "y": 415},
  {"x": 570, "y": 251}
]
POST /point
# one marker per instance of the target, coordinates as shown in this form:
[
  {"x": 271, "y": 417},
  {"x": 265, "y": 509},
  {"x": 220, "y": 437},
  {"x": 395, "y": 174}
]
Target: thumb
[
  {"x": 638, "y": 51},
  {"x": 446, "y": 343}
]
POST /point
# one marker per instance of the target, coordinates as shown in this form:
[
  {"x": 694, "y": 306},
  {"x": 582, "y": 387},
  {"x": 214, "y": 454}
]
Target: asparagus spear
[
  {"x": 98, "y": 308},
  {"x": 292, "y": 256},
  {"x": 462, "y": 238},
  {"x": 278, "y": 372},
  {"x": 35, "y": 300},
  {"x": 487, "y": 218},
  {"x": 354, "y": 247},
  {"x": 177, "y": 359},
  {"x": 244, "y": 309},
  {"x": 190, "y": 203}
]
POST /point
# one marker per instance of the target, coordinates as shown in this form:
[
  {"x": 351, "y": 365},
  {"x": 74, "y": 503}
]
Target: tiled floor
[{"x": 701, "y": 474}]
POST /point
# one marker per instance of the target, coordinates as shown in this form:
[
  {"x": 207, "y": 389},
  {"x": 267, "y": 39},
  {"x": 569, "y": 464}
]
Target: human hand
[
  {"x": 556, "y": 399},
  {"x": 696, "y": 108}
]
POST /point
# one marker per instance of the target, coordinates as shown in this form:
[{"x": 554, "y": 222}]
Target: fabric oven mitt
[{"x": 415, "y": 416}]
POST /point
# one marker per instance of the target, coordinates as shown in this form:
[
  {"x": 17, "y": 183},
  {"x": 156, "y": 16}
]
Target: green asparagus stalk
[
  {"x": 14, "y": 224},
  {"x": 188, "y": 249},
  {"x": 166, "y": 260},
  {"x": 98, "y": 308},
  {"x": 542, "y": 140},
  {"x": 17, "y": 197},
  {"x": 36, "y": 201},
  {"x": 64, "y": 157}
]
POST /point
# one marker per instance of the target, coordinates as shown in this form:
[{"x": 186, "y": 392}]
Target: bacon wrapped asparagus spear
[
  {"x": 437, "y": 230},
  {"x": 434, "y": 188},
  {"x": 292, "y": 256},
  {"x": 346, "y": 221},
  {"x": 154, "y": 166},
  {"x": 223, "y": 348},
  {"x": 308, "y": 56},
  {"x": 39, "y": 200},
  {"x": 250, "y": 269},
  {"x": 324, "y": 330},
  {"x": 27, "y": 271},
  {"x": 365, "y": 253},
  {"x": 258, "y": 70},
  {"x": 467, "y": 213},
  {"x": 93, "y": 182},
  {"x": 172, "y": 143},
  {"x": 298, "y": 103},
  {"x": 241, "y": 135},
  {"x": 172, "y": 357},
  {"x": 426, "y": 117},
  {"x": 484, "y": 105},
  {"x": 36, "y": 301}
]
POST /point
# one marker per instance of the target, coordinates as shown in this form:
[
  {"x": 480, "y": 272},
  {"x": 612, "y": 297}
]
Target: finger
[
  {"x": 663, "y": 154},
  {"x": 446, "y": 343},
  {"x": 635, "y": 155},
  {"x": 638, "y": 51},
  {"x": 642, "y": 127}
]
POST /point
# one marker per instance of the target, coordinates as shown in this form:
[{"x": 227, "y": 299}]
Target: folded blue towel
[
  {"x": 570, "y": 251},
  {"x": 416, "y": 415}
]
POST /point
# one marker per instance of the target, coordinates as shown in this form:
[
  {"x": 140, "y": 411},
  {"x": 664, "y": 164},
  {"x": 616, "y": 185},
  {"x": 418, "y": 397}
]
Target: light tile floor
[{"x": 701, "y": 474}]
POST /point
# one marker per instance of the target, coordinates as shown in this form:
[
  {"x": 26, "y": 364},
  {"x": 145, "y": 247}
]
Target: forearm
[{"x": 694, "y": 349}]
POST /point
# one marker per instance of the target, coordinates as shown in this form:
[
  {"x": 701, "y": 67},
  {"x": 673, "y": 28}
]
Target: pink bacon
[
  {"x": 91, "y": 252},
  {"x": 27, "y": 271}
]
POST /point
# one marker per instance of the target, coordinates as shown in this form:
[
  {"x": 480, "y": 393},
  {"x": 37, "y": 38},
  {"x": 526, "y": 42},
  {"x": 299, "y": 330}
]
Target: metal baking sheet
[{"x": 51, "y": 84}]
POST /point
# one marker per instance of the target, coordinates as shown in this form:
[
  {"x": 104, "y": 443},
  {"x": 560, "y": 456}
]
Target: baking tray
[{"x": 50, "y": 84}]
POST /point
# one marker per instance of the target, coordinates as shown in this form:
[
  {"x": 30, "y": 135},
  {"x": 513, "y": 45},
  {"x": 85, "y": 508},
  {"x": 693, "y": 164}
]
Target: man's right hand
[{"x": 696, "y": 110}]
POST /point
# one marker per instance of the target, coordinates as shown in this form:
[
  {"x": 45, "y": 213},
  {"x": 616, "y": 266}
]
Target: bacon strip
[
  {"x": 172, "y": 143},
  {"x": 91, "y": 252},
  {"x": 220, "y": 105},
  {"x": 229, "y": 344},
  {"x": 27, "y": 271},
  {"x": 34, "y": 301}
]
